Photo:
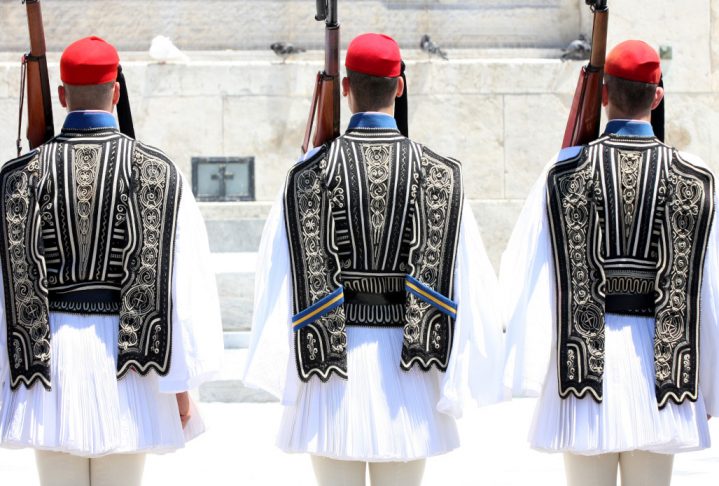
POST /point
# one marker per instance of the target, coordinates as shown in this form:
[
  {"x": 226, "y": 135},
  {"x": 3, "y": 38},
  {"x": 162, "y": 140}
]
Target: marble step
[
  {"x": 234, "y": 273},
  {"x": 228, "y": 386},
  {"x": 234, "y": 227}
]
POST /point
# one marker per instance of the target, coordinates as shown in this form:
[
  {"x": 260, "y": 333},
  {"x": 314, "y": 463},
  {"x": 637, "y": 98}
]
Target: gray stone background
[
  {"x": 499, "y": 104},
  {"x": 254, "y": 24}
]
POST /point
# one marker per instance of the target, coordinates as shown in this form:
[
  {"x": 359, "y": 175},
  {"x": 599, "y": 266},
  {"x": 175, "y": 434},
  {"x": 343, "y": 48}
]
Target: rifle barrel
[
  {"x": 332, "y": 13},
  {"x": 332, "y": 55},
  {"x": 321, "y": 10}
]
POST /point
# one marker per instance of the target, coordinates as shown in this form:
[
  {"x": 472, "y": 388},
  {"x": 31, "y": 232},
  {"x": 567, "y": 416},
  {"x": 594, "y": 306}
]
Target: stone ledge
[
  {"x": 236, "y": 339},
  {"x": 214, "y": 211},
  {"x": 252, "y": 24},
  {"x": 232, "y": 391},
  {"x": 228, "y": 386}
]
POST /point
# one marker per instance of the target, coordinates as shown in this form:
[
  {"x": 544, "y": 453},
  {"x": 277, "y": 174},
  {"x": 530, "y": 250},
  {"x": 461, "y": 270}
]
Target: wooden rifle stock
[
  {"x": 40, "y": 126},
  {"x": 585, "y": 116},
  {"x": 325, "y": 106}
]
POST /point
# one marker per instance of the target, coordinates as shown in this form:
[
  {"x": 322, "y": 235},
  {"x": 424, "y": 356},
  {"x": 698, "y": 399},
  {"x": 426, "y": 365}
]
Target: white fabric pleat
[
  {"x": 380, "y": 413},
  {"x": 88, "y": 411},
  {"x": 628, "y": 417}
]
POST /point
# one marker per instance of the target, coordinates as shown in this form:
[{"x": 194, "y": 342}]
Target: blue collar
[
  {"x": 372, "y": 120},
  {"x": 629, "y": 128},
  {"x": 87, "y": 120}
]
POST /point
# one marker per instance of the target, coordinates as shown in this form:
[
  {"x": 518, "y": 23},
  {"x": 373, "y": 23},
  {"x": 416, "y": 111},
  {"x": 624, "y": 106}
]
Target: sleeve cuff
[
  {"x": 335, "y": 299},
  {"x": 433, "y": 298}
]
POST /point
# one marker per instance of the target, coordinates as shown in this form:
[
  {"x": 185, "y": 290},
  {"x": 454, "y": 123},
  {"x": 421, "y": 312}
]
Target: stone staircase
[{"x": 234, "y": 231}]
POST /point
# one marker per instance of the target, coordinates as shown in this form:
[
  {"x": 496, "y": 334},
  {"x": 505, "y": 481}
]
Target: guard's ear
[
  {"x": 116, "y": 93},
  {"x": 658, "y": 97},
  {"x": 400, "y": 87},
  {"x": 345, "y": 86},
  {"x": 62, "y": 96},
  {"x": 605, "y": 95}
]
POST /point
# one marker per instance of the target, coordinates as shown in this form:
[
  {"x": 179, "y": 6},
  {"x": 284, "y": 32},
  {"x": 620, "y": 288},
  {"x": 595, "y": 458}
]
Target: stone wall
[
  {"x": 501, "y": 111},
  {"x": 255, "y": 24}
]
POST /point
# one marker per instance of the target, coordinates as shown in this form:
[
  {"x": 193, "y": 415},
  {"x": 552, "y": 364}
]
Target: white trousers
[
  {"x": 333, "y": 472},
  {"x": 636, "y": 468},
  {"x": 60, "y": 469}
]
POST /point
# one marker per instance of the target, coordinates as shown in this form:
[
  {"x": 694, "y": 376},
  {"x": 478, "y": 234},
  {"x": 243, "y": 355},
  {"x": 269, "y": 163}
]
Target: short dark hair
[
  {"x": 89, "y": 97},
  {"x": 632, "y": 97},
  {"x": 372, "y": 93}
]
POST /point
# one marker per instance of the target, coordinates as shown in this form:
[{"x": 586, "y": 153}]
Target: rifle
[
  {"x": 585, "y": 115},
  {"x": 40, "y": 127},
  {"x": 326, "y": 98}
]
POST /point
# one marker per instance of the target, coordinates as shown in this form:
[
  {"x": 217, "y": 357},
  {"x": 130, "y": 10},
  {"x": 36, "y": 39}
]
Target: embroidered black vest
[
  {"x": 630, "y": 222},
  {"x": 373, "y": 223},
  {"x": 88, "y": 226}
]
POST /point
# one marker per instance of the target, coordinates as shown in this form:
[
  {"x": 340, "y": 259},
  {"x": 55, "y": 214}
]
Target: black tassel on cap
[
  {"x": 658, "y": 116},
  {"x": 124, "y": 114},
  {"x": 400, "y": 108}
]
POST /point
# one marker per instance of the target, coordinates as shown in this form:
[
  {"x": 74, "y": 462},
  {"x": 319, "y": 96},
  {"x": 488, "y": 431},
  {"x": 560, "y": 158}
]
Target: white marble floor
[{"x": 238, "y": 450}]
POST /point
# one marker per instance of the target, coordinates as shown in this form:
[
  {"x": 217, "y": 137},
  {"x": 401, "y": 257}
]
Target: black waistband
[
  {"x": 373, "y": 324},
  {"x": 368, "y": 298},
  {"x": 90, "y": 301},
  {"x": 630, "y": 304}
]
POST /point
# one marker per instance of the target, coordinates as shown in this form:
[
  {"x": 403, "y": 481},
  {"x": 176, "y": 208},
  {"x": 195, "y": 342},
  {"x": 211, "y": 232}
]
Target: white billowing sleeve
[
  {"x": 270, "y": 364},
  {"x": 709, "y": 318},
  {"x": 527, "y": 286},
  {"x": 4, "y": 357},
  {"x": 709, "y": 322},
  {"x": 475, "y": 365},
  {"x": 197, "y": 340}
]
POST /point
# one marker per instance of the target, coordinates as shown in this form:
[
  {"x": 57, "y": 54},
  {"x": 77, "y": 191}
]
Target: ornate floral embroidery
[
  {"x": 311, "y": 348},
  {"x": 377, "y": 158},
  {"x": 630, "y": 167},
  {"x": 689, "y": 210},
  {"x": 26, "y": 309},
  {"x": 428, "y": 332},
  {"x": 317, "y": 278},
  {"x": 570, "y": 197},
  {"x": 91, "y": 251},
  {"x": 571, "y": 365},
  {"x": 363, "y": 214},
  {"x": 146, "y": 300},
  {"x": 593, "y": 234},
  {"x": 86, "y": 161}
]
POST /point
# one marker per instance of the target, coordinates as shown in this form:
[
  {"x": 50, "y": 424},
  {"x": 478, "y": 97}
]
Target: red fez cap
[
  {"x": 89, "y": 61},
  {"x": 634, "y": 60},
  {"x": 375, "y": 55}
]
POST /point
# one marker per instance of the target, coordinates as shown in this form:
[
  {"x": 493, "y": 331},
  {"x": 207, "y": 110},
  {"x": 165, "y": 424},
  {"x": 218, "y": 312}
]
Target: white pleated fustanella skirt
[
  {"x": 628, "y": 417},
  {"x": 89, "y": 412},
  {"x": 380, "y": 413}
]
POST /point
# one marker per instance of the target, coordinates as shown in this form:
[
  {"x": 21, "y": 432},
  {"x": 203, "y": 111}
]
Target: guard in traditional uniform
[
  {"x": 611, "y": 287},
  {"x": 373, "y": 314},
  {"x": 109, "y": 309}
]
